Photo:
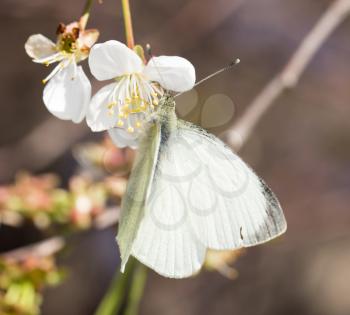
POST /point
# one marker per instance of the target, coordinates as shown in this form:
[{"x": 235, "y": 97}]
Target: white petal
[
  {"x": 172, "y": 72},
  {"x": 38, "y": 46},
  {"x": 68, "y": 93},
  {"x": 122, "y": 138},
  {"x": 88, "y": 37},
  {"x": 97, "y": 116},
  {"x": 113, "y": 59}
]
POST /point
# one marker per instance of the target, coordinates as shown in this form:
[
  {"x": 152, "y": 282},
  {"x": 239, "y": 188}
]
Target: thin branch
[
  {"x": 53, "y": 245},
  {"x": 129, "y": 34},
  {"x": 290, "y": 75},
  {"x": 216, "y": 12},
  {"x": 86, "y": 13},
  {"x": 44, "y": 248},
  {"x": 45, "y": 143}
]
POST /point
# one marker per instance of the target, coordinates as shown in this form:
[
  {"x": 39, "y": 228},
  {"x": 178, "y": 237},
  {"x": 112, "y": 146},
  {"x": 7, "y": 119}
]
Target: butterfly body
[{"x": 189, "y": 192}]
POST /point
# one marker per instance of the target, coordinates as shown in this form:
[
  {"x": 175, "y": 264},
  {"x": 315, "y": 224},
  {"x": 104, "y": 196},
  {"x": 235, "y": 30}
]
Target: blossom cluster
[
  {"x": 121, "y": 107},
  {"x": 22, "y": 282},
  {"x": 41, "y": 199}
]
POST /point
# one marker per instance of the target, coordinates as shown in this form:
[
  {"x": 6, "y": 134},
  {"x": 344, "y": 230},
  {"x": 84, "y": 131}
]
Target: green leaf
[
  {"x": 136, "y": 289},
  {"x": 114, "y": 299}
]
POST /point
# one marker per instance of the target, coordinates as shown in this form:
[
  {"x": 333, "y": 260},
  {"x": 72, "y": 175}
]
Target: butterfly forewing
[
  {"x": 244, "y": 212},
  {"x": 134, "y": 200}
]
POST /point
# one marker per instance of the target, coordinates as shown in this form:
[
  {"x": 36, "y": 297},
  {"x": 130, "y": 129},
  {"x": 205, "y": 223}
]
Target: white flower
[
  {"x": 68, "y": 91},
  {"x": 122, "y": 106}
]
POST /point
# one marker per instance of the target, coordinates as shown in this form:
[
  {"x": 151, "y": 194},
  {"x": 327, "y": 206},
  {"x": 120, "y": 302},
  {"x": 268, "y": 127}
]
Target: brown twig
[
  {"x": 44, "y": 248},
  {"x": 290, "y": 75},
  {"x": 215, "y": 13},
  {"x": 55, "y": 244},
  {"x": 40, "y": 147}
]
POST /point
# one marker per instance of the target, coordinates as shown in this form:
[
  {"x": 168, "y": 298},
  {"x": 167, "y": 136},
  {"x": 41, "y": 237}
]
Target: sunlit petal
[
  {"x": 99, "y": 114},
  {"x": 172, "y": 72},
  {"x": 113, "y": 59},
  {"x": 122, "y": 138},
  {"x": 38, "y": 46},
  {"x": 68, "y": 93}
]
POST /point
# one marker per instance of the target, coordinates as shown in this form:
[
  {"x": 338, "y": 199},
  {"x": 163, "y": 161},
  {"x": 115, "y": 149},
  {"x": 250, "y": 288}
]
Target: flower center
[
  {"x": 67, "y": 44},
  {"x": 133, "y": 99},
  {"x": 67, "y": 40}
]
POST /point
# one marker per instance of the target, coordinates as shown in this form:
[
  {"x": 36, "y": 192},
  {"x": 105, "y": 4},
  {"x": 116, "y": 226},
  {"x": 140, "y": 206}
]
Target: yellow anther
[
  {"x": 155, "y": 102},
  {"x": 110, "y": 105},
  {"x": 120, "y": 123},
  {"x": 130, "y": 129},
  {"x": 121, "y": 115},
  {"x": 135, "y": 95},
  {"x": 127, "y": 99},
  {"x": 138, "y": 124},
  {"x": 154, "y": 94}
]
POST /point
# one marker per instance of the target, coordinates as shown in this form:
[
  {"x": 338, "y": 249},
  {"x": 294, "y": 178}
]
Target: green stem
[
  {"x": 136, "y": 289},
  {"x": 86, "y": 13},
  {"x": 128, "y": 24},
  {"x": 115, "y": 297}
]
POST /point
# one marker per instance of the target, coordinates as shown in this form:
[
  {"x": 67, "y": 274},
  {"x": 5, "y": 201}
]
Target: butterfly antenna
[
  {"x": 149, "y": 51},
  {"x": 228, "y": 67},
  {"x": 232, "y": 64}
]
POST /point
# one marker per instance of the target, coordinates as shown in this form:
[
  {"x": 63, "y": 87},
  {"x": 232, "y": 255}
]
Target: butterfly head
[
  {"x": 166, "y": 105},
  {"x": 166, "y": 109},
  {"x": 167, "y": 102}
]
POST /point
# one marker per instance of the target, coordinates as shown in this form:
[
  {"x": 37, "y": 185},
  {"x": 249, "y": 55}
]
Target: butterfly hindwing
[
  {"x": 198, "y": 194},
  {"x": 165, "y": 240}
]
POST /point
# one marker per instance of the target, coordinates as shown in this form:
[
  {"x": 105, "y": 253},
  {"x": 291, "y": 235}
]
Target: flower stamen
[{"x": 133, "y": 99}]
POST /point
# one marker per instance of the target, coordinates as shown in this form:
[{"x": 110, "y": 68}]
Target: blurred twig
[
  {"x": 42, "y": 249},
  {"x": 213, "y": 13},
  {"x": 52, "y": 245},
  {"x": 40, "y": 147},
  {"x": 291, "y": 73}
]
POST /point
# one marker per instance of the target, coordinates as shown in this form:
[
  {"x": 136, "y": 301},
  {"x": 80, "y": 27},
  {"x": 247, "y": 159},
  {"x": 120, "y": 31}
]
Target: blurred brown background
[{"x": 301, "y": 147}]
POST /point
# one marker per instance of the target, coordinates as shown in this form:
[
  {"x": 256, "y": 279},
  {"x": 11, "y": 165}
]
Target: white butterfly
[{"x": 189, "y": 192}]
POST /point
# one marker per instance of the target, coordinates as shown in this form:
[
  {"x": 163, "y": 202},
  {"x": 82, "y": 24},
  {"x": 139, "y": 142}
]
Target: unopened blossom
[
  {"x": 222, "y": 260},
  {"x": 123, "y": 106},
  {"x": 68, "y": 90}
]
